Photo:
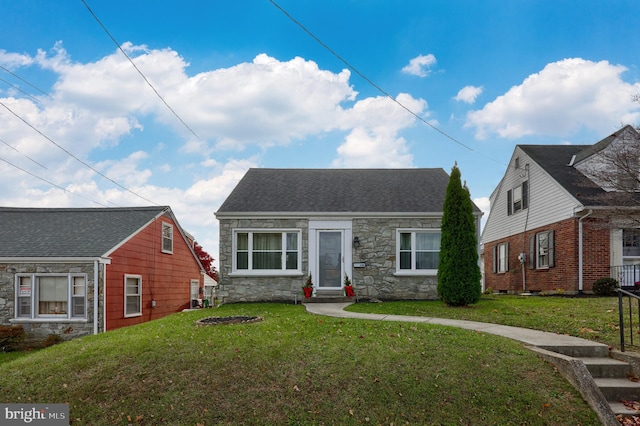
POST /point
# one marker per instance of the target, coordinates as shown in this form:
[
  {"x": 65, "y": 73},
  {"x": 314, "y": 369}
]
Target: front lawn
[{"x": 294, "y": 368}]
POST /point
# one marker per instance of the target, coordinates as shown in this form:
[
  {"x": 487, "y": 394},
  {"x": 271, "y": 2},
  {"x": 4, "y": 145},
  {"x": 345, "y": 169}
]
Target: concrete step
[
  {"x": 580, "y": 351},
  {"x": 605, "y": 367},
  {"x": 619, "y": 408},
  {"x": 615, "y": 390}
]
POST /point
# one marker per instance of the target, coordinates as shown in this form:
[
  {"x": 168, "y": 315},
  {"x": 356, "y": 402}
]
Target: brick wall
[{"x": 564, "y": 275}]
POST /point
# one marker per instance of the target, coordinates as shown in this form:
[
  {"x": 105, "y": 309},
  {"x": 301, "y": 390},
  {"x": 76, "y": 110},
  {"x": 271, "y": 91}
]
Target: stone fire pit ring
[{"x": 227, "y": 320}]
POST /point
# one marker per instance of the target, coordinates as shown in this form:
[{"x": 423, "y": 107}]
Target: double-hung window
[
  {"x": 51, "y": 296},
  {"x": 541, "y": 250},
  {"x": 501, "y": 258},
  {"x": 267, "y": 251},
  {"x": 167, "y": 238},
  {"x": 418, "y": 251},
  {"x": 132, "y": 295},
  {"x": 518, "y": 198}
]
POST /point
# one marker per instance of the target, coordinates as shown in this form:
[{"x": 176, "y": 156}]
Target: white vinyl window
[
  {"x": 501, "y": 258},
  {"x": 418, "y": 251},
  {"x": 541, "y": 250},
  {"x": 132, "y": 295},
  {"x": 167, "y": 238},
  {"x": 266, "y": 251},
  {"x": 518, "y": 198},
  {"x": 51, "y": 296}
]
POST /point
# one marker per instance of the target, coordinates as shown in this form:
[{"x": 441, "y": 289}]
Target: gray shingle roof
[
  {"x": 69, "y": 232},
  {"x": 339, "y": 190}
]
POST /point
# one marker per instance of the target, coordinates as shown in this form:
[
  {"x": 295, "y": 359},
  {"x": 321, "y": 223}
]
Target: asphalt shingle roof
[
  {"x": 339, "y": 190},
  {"x": 69, "y": 232}
]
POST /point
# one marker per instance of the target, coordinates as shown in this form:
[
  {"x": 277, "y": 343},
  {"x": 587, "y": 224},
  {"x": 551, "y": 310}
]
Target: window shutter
[
  {"x": 532, "y": 252},
  {"x": 525, "y": 194},
  {"x": 551, "y": 249},
  {"x": 494, "y": 252},
  {"x": 509, "y": 204}
]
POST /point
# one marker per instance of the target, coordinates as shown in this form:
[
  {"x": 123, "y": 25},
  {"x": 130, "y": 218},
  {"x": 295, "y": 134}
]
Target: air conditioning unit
[{"x": 543, "y": 251}]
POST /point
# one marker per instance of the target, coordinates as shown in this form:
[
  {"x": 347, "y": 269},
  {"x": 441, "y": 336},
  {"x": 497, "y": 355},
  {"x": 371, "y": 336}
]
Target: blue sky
[{"x": 250, "y": 88}]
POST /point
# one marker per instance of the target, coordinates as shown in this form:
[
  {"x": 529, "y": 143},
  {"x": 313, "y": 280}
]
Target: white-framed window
[
  {"x": 518, "y": 198},
  {"x": 267, "y": 251},
  {"x": 418, "y": 251},
  {"x": 542, "y": 250},
  {"x": 167, "y": 238},
  {"x": 631, "y": 242},
  {"x": 501, "y": 258},
  {"x": 132, "y": 295},
  {"x": 51, "y": 296}
]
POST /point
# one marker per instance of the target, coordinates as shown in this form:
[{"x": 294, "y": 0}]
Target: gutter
[
  {"x": 580, "y": 252},
  {"x": 96, "y": 294}
]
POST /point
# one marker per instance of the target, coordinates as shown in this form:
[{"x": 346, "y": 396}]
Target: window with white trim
[
  {"x": 518, "y": 198},
  {"x": 51, "y": 296},
  {"x": 418, "y": 251},
  {"x": 266, "y": 250},
  {"x": 541, "y": 250},
  {"x": 501, "y": 258},
  {"x": 132, "y": 295},
  {"x": 167, "y": 238}
]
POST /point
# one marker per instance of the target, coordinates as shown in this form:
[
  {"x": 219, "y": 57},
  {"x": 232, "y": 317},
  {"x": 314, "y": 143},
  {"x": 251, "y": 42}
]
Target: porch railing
[
  {"x": 632, "y": 299},
  {"x": 627, "y": 275}
]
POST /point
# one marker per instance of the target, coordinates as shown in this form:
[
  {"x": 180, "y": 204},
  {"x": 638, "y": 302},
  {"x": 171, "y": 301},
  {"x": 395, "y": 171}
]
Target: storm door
[{"x": 330, "y": 258}]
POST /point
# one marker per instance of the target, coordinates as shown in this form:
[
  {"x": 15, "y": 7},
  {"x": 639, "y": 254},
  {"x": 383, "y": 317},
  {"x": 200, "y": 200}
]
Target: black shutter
[
  {"x": 532, "y": 252},
  {"x": 551, "y": 249},
  {"x": 525, "y": 194},
  {"x": 509, "y": 204},
  {"x": 494, "y": 252},
  {"x": 507, "y": 255}
]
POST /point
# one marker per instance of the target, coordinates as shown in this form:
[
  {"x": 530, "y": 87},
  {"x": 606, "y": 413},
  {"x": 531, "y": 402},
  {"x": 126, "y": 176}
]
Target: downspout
[
  {"x": 580, "y": 283},
  {"x": 96, "y": 294}
]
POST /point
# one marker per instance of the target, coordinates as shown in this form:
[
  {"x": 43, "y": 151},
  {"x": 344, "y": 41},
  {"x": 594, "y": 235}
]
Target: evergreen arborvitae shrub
[
  {"x": 458, "y": 270},
  {"x": 605, "y": 286}
]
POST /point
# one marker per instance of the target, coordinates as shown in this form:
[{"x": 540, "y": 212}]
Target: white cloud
[
  {"x": 468, "y": 94},
  {"x": 559, "y": 100},
  {"x": 420, "y": 65}
]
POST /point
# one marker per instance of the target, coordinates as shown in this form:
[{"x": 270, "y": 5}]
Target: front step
[
  {"x": 581, "y": 351},
  {"x": 605, "y": 367},
  {"x": 620, "y": 389}
]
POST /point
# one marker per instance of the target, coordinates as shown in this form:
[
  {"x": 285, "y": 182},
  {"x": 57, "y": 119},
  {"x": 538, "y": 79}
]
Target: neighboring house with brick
[
  {"x": 556, "y": 225},
  {"x": 379, "y": 227},
  {"x": 78, "y": 271}
]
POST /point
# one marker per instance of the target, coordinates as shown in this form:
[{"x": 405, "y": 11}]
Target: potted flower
[
  {"x": 348, "y": 288},
  {"x": 308, "y": 287}
]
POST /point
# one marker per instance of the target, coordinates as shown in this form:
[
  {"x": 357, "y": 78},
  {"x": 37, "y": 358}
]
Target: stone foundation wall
[{"x": 38, "y": 330}]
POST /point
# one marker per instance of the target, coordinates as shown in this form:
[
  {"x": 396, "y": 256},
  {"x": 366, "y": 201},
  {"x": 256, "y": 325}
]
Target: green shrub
[
  {"x": 52, "y": 339},
  {"x": 11, "y": 336},
  {"x": 605, "y": 286}
]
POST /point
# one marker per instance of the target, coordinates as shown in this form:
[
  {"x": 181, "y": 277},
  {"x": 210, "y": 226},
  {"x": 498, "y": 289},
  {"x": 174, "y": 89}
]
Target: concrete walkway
[{"x": 541, "y": 339}]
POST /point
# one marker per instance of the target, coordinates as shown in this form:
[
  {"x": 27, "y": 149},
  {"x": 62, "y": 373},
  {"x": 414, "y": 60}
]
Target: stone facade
[
  {"x": 377, "y": 250},
  {"x": 39, "y": 329}
]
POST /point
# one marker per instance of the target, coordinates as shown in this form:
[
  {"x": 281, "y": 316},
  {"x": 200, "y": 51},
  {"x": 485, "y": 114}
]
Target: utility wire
[
  {"x": 16, "y": 150},
  {"x": 19, "y": 90},
  {"x": 377, "y": 87},
  {"x": 137, "y": 69},
  {"x": 50, "y": 183},
  {"x": 76, "y": 158},
  {"x": 25, "y": 81}
]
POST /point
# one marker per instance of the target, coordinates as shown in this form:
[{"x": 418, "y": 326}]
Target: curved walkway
[{"x": 542, "y": 339}]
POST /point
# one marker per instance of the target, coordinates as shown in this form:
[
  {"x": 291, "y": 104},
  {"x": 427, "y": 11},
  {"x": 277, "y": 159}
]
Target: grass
[
  {"x": 592, "y": 318},
  {"x": 294, "y": 368}
]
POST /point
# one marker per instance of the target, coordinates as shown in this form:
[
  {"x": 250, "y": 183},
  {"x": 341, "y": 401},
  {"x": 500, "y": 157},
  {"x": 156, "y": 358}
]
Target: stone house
[
  {"x": 78, "y": 271},
  {"x": 379, "y": 227},
  {"x": 557, "y": 223}
]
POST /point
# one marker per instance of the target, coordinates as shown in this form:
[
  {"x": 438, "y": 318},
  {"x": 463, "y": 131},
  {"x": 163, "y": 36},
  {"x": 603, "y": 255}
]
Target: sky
[{"x": 134, "y": 103}]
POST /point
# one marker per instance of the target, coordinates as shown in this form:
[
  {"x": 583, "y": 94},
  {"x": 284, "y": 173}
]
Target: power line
[
  {"x": 73, "y": 156},
  {"x": 16, "y": 150},
  {"x": 51, "y": 183},
  {"x": 377, "y": 87},
  {"x": 137, "y": 69},
  {"x": 25, "y": 81},
  {"x": 19, "y": 90}
]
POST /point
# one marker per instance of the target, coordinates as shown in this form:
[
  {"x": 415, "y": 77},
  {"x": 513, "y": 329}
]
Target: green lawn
[
  {"x": 592, "y": 318},
  {"x": 294, "y": 368}
]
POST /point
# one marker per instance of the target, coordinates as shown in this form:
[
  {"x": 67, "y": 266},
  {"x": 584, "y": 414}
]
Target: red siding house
[
  {"x": 561, "y": 218},
  {"x": 77, "y": 271}
]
